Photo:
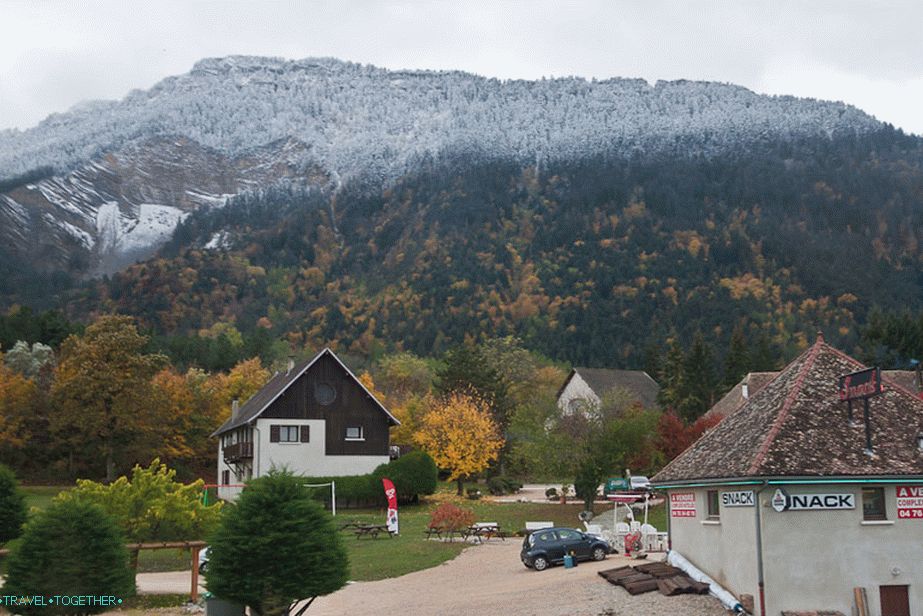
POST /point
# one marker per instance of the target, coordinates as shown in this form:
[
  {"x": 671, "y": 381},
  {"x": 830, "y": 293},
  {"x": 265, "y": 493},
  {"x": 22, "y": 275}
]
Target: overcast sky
[{"x": 868, "y": 54}]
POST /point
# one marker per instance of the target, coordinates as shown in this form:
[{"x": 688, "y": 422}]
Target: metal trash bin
[{"x": 221, "y": 607}]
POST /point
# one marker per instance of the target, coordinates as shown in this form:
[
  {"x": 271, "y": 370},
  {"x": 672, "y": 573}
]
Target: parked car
[
  {"x": 203, "y": 560},
  {"x": 641, "y": 484},
  {"x": 548, "y": 546}
]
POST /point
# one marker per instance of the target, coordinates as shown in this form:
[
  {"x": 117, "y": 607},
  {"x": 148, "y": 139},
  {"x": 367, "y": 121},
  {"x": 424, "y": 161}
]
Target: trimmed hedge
[{"x": 413, "y": 474}]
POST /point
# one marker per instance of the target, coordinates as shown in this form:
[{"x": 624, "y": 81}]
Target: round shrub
[
  {"x": 413, "y": 474},
  {"x": 275, "y": 546},
  {"x": 12, "y": 506},
  {"x": 71, "y": 548}
]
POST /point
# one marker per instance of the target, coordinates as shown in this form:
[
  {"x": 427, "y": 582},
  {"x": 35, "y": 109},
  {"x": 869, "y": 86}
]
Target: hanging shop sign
[
  {"x": 910, "y": 502},
  {"x": 744, "y": 498},
  {"x": 682, "y": 504},
  {"x": 863, "y": 384},
  {"x": 783, "y": 501}
]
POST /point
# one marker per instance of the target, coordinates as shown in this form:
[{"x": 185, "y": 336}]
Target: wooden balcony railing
[{"x": 238, "y": 452}]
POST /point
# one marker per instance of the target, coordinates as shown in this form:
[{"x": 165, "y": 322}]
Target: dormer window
[{"x": 354, "y": 433}]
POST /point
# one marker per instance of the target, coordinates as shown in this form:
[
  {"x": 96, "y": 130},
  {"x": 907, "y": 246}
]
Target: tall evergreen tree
[
  {"x": 737, "y": 360},
  {"x": 700, "y": 382}
]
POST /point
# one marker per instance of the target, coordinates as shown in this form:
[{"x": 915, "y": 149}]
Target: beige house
[
  {"x": 783, "y": 504},
  {"x": 586, "y": 387}
]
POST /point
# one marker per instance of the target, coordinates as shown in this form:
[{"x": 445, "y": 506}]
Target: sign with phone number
[{"x": 910, "y": 502}]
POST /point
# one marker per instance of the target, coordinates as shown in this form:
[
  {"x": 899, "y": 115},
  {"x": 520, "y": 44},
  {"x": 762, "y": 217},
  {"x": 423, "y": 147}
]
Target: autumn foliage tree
[
  {"x": 461, "y": 436},
  {"x": 102, "y": 392}
]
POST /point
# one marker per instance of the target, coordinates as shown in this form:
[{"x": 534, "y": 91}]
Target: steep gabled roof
[
  {"x": 604, "y": 380},
  {"x": 796, "y": 426},
  {"x": 277, "y": 385},
  {"x": 732, "y": 400}
]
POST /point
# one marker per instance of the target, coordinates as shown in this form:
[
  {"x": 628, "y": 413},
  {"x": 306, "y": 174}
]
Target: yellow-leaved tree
[{"x": 460, "y": 434}]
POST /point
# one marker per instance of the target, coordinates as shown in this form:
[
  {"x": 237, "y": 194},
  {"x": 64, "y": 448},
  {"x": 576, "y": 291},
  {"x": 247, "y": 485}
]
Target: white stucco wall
[
  {"x": 308, "y": 459},
  {"x": 812, "y": 560},
  {"x": 725, "y": 550},
  {"x": 576, "y": 388}
]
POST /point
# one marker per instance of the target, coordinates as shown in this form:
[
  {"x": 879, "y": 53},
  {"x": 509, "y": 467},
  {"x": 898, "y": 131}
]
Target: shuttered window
[
  {"x": 305, "y": 434},
  {"x": 288, "y": 434}
]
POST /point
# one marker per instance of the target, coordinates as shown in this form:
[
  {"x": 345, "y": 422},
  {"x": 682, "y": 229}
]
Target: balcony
[{"x": 238, "y": 452}]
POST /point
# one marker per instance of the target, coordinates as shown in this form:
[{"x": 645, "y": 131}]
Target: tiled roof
[
  {"x": 796, "y": 426},
  {"x": 732, "y": 400},
  {"x": 604, "y": 380},
  {"x": 252, "y": 408}
]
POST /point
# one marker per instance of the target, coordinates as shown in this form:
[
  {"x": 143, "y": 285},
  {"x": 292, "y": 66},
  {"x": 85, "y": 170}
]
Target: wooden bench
[{"x": 483, "y": 531}]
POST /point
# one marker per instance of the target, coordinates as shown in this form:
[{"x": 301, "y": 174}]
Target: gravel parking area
[{"x": 489, "y": 579}]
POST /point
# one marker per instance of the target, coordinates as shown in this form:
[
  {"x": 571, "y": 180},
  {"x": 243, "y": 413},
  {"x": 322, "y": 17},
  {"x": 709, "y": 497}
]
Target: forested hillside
[{"x": 595, "y": 261}]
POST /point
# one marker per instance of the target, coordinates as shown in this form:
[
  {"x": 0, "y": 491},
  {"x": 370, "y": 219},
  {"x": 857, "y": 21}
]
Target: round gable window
[{"x": 324, "y": 393}]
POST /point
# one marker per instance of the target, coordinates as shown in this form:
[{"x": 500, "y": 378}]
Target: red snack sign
[
  {"x": 682, "y": 504},
  {"x": 910, "y": 502}
]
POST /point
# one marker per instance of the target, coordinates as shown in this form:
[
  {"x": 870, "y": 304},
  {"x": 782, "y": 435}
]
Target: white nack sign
[
  {"x": 738, "y": 499},
  {"x": 801, "y": 502}
]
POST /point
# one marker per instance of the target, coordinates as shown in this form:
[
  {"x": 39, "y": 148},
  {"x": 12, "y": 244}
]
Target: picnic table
[
  {"x": 370, "y": 530},
  {"x": 483, "y": 531}
]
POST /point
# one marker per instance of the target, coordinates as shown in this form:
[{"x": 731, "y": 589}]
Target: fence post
[{"x": 195, "y": 574}]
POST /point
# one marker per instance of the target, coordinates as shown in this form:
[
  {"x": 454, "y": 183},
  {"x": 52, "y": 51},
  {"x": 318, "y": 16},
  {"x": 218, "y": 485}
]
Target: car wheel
[
  {"x": 599, "y": 554},
  {"x": 203, "y": 568},
  {"x": 540, "y": 563}
]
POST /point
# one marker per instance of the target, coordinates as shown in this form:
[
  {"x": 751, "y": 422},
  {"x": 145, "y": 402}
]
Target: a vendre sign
[
  {"x": 682, "y": 504},
  {"x": 910, "y": 502}
]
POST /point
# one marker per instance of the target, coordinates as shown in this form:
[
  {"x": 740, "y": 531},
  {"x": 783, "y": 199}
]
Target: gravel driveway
[{"x": 489, "y": 579}]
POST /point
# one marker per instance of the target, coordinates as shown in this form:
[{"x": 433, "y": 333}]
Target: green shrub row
[
  {"x": 500, "y": 485},
  {"x": 413, "y": 474}
]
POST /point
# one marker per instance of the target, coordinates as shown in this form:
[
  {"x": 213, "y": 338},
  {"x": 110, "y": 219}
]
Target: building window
[
  {"x": 873, "y": 504},
  {"x": 288, "y": 434},
  {"x": 714, "y": 508},
  {"x": 283, "y": 434},
  {"x": 324, "y": 393},
  {"x": 225, "y": 477},
  {"x": 354, "y": 433}
]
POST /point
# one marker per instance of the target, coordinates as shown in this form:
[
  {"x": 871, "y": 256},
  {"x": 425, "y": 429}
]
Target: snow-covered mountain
[{"x": 125, "y": 172}]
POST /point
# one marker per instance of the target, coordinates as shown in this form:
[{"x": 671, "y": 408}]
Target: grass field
[{"x": 384, "y": 557}]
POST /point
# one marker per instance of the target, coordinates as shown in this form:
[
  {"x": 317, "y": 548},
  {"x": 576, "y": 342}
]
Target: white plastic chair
[
  {"x": 648, "y": 529},
  {"x": 635, "y": 526},
  {"x": 621, "y": 528}
]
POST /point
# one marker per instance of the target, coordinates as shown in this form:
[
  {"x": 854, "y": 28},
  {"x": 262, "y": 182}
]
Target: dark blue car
[{"x": 548, "y": 546}]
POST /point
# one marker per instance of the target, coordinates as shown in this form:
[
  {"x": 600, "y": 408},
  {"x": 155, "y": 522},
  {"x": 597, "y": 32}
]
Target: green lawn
[
  {"x": 384, "y": 557},
  {"x": 40, "y": 496}
]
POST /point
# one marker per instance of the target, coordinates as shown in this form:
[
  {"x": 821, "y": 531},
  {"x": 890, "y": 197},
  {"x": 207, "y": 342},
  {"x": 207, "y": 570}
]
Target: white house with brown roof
[
  {"x": 586, "y": 387},
  {"x": 782, "y": 501},
  {"x": 315, "y": 419}
]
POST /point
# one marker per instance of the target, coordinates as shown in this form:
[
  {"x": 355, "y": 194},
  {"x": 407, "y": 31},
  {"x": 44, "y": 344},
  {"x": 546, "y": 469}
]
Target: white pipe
[{"x": 730, "y": 601}]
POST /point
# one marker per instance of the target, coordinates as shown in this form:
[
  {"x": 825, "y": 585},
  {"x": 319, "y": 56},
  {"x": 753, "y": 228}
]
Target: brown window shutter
[
  {"x": 305, "y": 434},
  {"x": 273, "y": 434}
]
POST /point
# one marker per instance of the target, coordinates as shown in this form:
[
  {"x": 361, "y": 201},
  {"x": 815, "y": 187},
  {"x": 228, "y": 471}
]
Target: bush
[
  {"x": 413, "y": 474},
  {"x": 275, "y": 546},
  {"x": 152, "y": 506},
  {"x": 449, "y": 517},
  {"x": 12, "y": 506},
  {"x": 474, "y": 493},
  {"x": 500, "y": 485},
  {"x": 71, "y": 548}
]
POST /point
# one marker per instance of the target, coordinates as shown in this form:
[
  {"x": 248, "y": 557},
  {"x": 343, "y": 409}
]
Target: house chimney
[
  {"x": 745, "y": 390},
  {"x": 291, "y": 364},
  {"x": 235, "y": 409}
]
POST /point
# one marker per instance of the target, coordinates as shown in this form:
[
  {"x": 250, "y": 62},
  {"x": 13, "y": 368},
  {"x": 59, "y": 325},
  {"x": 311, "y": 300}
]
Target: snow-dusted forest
[{"x": 362, "y": 120}]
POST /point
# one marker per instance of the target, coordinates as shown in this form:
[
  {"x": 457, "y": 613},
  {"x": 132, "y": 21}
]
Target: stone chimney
[
  {"x": 235, "y": 409},
  {"x": 745, "y": 390}
]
